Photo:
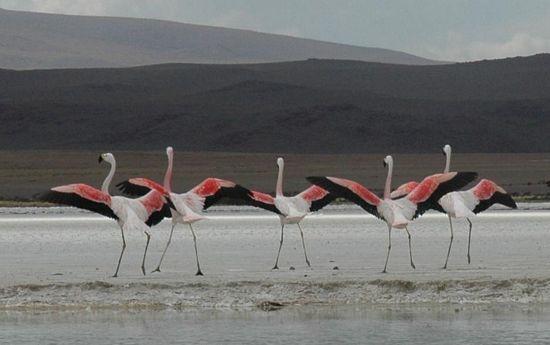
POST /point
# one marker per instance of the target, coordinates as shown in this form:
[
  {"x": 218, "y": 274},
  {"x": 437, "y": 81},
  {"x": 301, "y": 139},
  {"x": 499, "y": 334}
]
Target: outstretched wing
[
  {"x": 261, "y": 200},
  {"x": 497, "y": 198},
  {"x": 131, "y": 189},
  {"x": 156, "y": 200},
  {"x": 349, "y": 190},
  {"x": 82, "y": 196},
  {"x": 214, "y": 189},
  {"x": 316, "y": 197},
  {"x": 157, "y": 216},
  {"x": 433, "y": 187},
  {"x": 489, "y": 193},
  {"x": 403, "y": 190}
]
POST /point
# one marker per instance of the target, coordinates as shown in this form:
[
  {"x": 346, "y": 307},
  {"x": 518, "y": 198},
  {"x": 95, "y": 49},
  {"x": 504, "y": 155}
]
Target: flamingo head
[
  {"x": 280, "y": 162},
  {"x": 388, "y": 161},
  {"x": 108, "y": 157},
  {"x": 169, "y": 151},
  {"x": 447, "y": 149}
]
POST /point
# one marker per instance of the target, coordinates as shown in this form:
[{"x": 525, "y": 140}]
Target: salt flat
[{"x": 62, "y": 258}]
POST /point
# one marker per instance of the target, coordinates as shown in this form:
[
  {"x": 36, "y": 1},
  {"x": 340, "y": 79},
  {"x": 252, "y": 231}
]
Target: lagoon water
[{"x": 56, "y": 285}]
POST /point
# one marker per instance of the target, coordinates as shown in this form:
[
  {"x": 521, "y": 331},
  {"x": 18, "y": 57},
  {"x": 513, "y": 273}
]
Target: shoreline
[{"x": 273, "y": 294}]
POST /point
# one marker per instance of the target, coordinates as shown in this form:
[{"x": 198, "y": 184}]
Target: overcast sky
[{"x": 455, "y": 30}]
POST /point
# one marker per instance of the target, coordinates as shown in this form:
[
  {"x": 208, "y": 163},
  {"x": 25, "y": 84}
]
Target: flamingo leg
[
  {"x": 145, "y": 252},
  {"x": 410, "y": 248},
  {"x": 166, "y": 248},
  {"x": 199, "y": 272},
  {"x": 276, "y": 267},
  {"x": 121, "y": 253},
  {"x": 389, "y": 249},
  {"x": 304, "y": 245},
  {"x": 450, "y": 243},
  {"x": 469, "y": 238}
]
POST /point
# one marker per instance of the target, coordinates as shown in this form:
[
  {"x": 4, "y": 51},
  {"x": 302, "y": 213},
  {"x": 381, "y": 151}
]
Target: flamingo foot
[
  {"x": 275, "y": 267},
  {"x": 156, "y": 270},
  {"x": 199, "y": 273}
]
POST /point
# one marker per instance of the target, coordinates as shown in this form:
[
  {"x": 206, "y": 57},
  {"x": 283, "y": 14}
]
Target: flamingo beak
[{"x": 100, "y": 159}]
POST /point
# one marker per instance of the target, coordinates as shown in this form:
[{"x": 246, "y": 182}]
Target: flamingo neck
[
  {"x": 387, "y": 187},
  {"x": 109, "y": 178},
  {"x": 168, "y": 175},
  {"x": 447, "y": 162},
  {"x": 279, "y": 187}
]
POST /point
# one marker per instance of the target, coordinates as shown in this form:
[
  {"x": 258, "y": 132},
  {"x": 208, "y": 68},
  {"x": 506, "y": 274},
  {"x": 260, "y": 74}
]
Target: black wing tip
[
  {"x": 130, "y": 189},
  {"x": 506, "y": 200}
]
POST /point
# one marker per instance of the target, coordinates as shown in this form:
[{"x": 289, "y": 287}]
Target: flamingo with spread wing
[
  {"x": 291, "y": 210},
  {"x": 137, "y": 214},
  {"x": 187, "y": 207},
  {"x": 464, "y": 204},
  {"x": 396, "y": 213}
]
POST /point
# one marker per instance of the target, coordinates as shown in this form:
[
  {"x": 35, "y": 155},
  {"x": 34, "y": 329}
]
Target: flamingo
[
  {"x": 291, "y": 210},
  {"x": 396, "y": 213},
  {"x": 137, "y": 214},
  {"x": 187, "y": 207},
  {"x": 468, "y": 203}
]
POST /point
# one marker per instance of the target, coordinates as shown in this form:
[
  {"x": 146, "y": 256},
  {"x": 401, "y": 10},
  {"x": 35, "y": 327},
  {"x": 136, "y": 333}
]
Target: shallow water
[
  {"x": 56, "y": 286},
  {"x": 304, "y": 325}
]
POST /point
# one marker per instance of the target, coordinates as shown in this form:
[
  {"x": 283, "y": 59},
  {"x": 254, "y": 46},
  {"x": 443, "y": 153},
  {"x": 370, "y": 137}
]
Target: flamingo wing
[
  {"x": 215, "y": 189},
  {"x": 403, "y": 190},
  {"x": 157, "y": 216},
  {"x": 316, "y": 197},
  {"x": 157, "y": 206},
  {"x": 82, "y": 196},
  {"x": 489, "y": 193},
  {"x": 497, "y": 198},
  {"x": 349, "y": 190},
  {"x": 432, "y": 188},
  {"x": 261, "y": 200},
  {"x": 156, "y": 200},
  {"x": 131, "y": 189}
]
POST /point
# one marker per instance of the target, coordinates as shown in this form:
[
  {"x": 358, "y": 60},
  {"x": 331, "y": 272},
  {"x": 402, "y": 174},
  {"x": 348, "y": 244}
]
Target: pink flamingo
[
  {"x": 464, "y": 204},
  {"x": 291, "y": 210},
  {"x": 137, "y": 214},
  {"x": 187, "y": 207},
  {"x": 396, "y": 213}
]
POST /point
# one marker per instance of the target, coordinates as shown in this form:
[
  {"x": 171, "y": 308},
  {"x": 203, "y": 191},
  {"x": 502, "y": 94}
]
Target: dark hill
[{"x": 322, "y": 106}]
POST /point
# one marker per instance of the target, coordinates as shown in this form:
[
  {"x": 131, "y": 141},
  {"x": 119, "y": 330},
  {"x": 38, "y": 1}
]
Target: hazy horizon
[{"x": 452, "y": 31}]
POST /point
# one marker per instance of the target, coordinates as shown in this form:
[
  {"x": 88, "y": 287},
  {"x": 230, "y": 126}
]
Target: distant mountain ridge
[
  {"x": 313, "y": 106},
  {"x": 38, "y": 40}
]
